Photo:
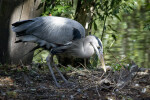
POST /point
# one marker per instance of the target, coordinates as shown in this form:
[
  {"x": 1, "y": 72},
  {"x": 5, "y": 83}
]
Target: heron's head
[{"x": 97, "y": 45}]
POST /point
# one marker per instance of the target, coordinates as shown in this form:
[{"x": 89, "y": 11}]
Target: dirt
[{"x": 33, "y": 83}]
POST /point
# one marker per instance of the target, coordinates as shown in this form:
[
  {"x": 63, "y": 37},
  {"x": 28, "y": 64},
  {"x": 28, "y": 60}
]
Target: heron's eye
[{"x": 98, "y": 47}]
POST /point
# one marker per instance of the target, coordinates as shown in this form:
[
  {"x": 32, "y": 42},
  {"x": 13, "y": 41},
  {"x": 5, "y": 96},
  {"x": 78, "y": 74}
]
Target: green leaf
[
  {"x": 43, "y": 1},
  {"x": 147, "y": 27},
  {"x": 112, "y": 28},
  {"x": 118, "y": 17},
  {"x": 95, "y": 26},
  {"x": 94, "y": 60}
]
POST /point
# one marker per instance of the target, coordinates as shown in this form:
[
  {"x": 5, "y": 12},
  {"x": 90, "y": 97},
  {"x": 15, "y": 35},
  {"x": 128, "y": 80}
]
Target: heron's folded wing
[{"x": 56, "y": 30}]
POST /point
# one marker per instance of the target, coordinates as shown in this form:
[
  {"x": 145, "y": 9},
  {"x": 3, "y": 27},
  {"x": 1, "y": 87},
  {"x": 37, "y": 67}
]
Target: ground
[{"x": 33, "y": 83}]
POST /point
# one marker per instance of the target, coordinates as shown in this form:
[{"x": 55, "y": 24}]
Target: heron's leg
[
  {"x": 62, "y": 76},
  {"x": 85, "y": 62},
  {"x": 49, "y": 61}
]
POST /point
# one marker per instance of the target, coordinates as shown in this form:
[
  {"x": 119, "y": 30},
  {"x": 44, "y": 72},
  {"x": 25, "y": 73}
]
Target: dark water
[
  {"x": 133, "y": 45},
  {"x": 133, "y": 38}
]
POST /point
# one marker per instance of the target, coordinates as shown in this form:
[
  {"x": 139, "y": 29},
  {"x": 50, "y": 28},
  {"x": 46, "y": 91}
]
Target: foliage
[
  {"x": 41, "y": 57},
  {"x": 147, "y": 26},
  {"x": 116, "y": 67},
  {"x": 108, "y": 9},
  {"x": 132, "y": 34},
  {"x": 94, "y": 61},
  {"x": 65, "y": 69},
  {"x": 58, "y": 8}
]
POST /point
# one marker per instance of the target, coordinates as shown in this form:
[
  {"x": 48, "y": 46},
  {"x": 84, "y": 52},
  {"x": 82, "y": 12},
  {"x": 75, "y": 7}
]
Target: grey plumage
[
  {"x": 50, "y": 29},
  {"x": 61, "y": 36}
]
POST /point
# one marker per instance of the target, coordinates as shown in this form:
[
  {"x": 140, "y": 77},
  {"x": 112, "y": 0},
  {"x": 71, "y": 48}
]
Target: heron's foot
[
  {"x": 58, "y": 85},
  {"x": 66, "y": 81},
  {"x": 62, "y": 76}
]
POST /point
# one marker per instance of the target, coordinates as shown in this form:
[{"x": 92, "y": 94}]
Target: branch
[{"x": 104, "y": 27}]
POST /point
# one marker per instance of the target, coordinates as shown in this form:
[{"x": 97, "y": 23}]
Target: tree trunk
[
  {"x": 10, "y": 12},
  {"x": 84, "y": 13}
]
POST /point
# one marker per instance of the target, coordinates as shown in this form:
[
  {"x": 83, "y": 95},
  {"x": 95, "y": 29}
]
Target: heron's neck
[{"x": 88, "y": 49}]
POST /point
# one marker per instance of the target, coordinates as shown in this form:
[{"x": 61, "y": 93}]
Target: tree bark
[
  {"x": 10, "y": 12},
  {"x": 84, "y": 13}
]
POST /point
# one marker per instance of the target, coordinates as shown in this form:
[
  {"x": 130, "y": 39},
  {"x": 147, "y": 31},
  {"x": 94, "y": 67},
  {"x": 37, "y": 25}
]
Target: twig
[
  {"x": 84, "y": 88},
  {"x": 104, "y": 28},
  {"x": 97, "y": 91},
  {"x": 116, "y": 59}
]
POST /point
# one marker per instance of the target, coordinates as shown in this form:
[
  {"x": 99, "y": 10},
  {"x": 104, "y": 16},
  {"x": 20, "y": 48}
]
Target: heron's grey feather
[
  {"x": 21, "y": 25},
  {"x": 57, "y": 29},
  {"x": 40, "y": 42},
  {"x": 76, "y": 34},
  {"x": 20, "y": 22},
  {"x": 28, "y": 38},
  {"x": 52, "y": 29}
]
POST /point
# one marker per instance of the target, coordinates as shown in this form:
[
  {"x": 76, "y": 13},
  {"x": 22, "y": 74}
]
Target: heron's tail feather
[
  {"x": 26, "y": 27},
  {"x": 20, "y": 23},
  {"x": 18, "y": 41},
  {"x": 20, "y": 27}
]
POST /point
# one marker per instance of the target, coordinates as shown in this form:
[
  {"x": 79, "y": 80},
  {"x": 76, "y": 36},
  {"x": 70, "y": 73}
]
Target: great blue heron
[{"x": 61, "y": 36}]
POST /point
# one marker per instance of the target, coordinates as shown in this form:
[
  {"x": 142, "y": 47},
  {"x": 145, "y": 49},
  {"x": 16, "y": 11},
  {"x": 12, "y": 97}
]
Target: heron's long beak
[{"x": 100, "y": 56}]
